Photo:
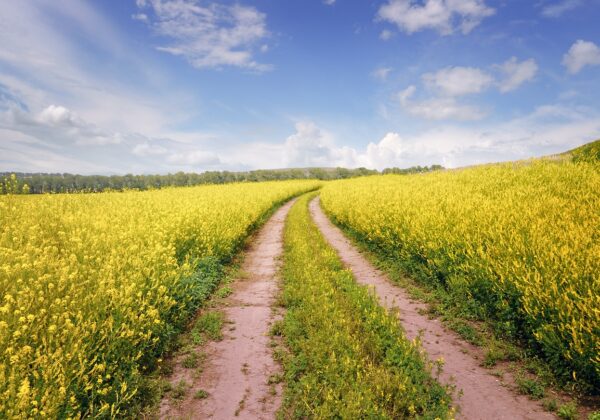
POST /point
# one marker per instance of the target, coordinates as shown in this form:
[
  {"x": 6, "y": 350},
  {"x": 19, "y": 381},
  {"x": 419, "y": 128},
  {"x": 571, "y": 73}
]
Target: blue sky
[{"x": 157, "y": 86}]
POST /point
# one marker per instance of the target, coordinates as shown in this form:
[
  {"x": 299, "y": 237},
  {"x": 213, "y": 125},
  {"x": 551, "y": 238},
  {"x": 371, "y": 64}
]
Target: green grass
[
  {"x": 498, "y": 345},
  {"x": 191, "y": 361},
  {"x": 207, "y": 326},
  {"x": 567, "y": 411},
  {"x": 347, "y": 356},
  {"x": 179, "y": 391},
  {"x": 223, "y": 292},
  {"x": 531, "y": 387},
  {"x": 200, "y": 394},
  {"x": 589, "y": 152}
]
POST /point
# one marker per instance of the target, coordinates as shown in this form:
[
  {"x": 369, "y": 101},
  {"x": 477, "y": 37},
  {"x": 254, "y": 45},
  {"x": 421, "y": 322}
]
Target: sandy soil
[
  {"x": 478, "y": 394},
  {"x": 237, "y": 368}
]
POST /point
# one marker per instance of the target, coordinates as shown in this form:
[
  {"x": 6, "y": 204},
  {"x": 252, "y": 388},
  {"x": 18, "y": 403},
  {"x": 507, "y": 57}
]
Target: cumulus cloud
[
  {"x": 546, "y": 130},
  {"x": 444, "y": 16},
  {"x": 57, "y": 121},
  {"x": 208, "y": 36},
  {"x": 59, "y": 115},
  {"x": 438, "y": 108},
  {"x": 582, "y": 53},
  {"x": 450, "y": 83},
  {"x": 458, "y": 81},
  {"x": 61, "y": 137},
  {"x": 557, "y": 9},
  {"x": 310, "y": 146},
  {"x": 516, "y": 73},
  {"x": 388, "y": 152}
]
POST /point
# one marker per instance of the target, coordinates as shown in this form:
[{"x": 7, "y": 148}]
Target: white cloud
[
  {"x": 381, "y": 73},
  {"x": 194, "y": 158},
  {"x": 209, "y": 36},
  {"x": 60, "y": 136},
  {"x": 140, "y": 16},
  {"x": 445, "y": 16},
  {"x": 58, "y": 122},
  {"x": 458, "y": 81},
  {"x": 307, "y": 147},
  {"x": 547, "y": 130},
  {"x": 388, "y": 152},
  {"x": 59, "y": 115},
  {"x": 516, "y": 73},
  {"x": 449, "y": 83},
  {"x": 40, "y": 64},
  {"x": 581, "y": 54},
  {"x": 310, "y": 146},
  {"x": 147, "y": 149},
  {"x": 555, "y": 10},
  {"x": 440, "y": 108},
  {"x": 329, "y": 2}
]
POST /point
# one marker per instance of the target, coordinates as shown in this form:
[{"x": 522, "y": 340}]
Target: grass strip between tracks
[{"x": 347, "y": 356}]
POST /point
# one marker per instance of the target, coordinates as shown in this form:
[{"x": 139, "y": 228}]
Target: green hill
[{"x": 589, "y": 152}]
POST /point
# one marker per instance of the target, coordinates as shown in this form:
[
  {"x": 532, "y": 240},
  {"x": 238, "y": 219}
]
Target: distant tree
[{"x": 42, "y": 183}]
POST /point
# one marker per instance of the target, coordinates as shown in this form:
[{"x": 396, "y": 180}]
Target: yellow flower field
[
  {"x": 518, "y": 244},
  {"x": 92, "y": 287}
]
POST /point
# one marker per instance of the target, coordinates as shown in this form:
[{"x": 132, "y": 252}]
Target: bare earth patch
[
  {"x": 236, "y": 371},
  {"x": 478, "y": 394}
]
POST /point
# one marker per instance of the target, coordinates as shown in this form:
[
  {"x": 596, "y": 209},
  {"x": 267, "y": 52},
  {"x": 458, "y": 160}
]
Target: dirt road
[
  {"x": 479, "y": 395},
  {"x": 238, "y": 367}
]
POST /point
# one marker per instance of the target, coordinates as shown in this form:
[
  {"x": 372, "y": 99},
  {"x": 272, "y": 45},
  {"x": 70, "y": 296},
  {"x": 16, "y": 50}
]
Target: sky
[{"x": 161, "y": 86}]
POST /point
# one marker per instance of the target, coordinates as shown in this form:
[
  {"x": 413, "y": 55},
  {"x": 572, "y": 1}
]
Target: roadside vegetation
[
  {"x": 589, "y": 152},
  {"x": 95, "y": 288},
  {"x": 41, "y": 183},
  {"x": 346, "y": 357},
  {"x": 512, "y": 245}
]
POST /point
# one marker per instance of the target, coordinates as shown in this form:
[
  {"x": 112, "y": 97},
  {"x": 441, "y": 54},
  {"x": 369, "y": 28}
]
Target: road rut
[
  {"x": 478, "y": 394},
  {"x": 238, "y": 367}
]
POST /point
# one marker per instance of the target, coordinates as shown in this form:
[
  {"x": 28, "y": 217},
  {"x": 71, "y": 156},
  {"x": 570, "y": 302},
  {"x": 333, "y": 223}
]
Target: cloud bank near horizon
[{"x": 193, "y": 86}]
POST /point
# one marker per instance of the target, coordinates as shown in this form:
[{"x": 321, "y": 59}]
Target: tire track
[
  {"x": 238, "y": 367},
  {"x": 478, "y": 394}
]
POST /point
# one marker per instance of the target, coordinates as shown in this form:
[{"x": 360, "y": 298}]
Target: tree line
[{"x": 43, "y": 183}]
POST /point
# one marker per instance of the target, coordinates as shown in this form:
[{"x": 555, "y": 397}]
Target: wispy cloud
[
  {"x": 381, "y": 73},
  {"x": 438, "y": 108},
  {"x": 195, "y": 158},
  {"x": 450, "y": 83},
  {"x": 557, "y": 9},
  {"x": 516, "y": 73},
  {"x": 58, "y": 114},
  {"x": 56, "y": 130},
  {"x": 208, "y": 36},
  {"x": 444, "y": 16},
  {"x": 386, "y": 35}
]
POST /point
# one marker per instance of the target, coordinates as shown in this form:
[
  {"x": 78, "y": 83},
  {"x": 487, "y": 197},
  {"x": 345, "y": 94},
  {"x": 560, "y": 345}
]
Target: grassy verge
[
  {"x": 501, "y": 353},
  {"x": 195, "y": 324},
  {"x": 347, "y": 356},
  {"x": 187, "y": 346}
]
